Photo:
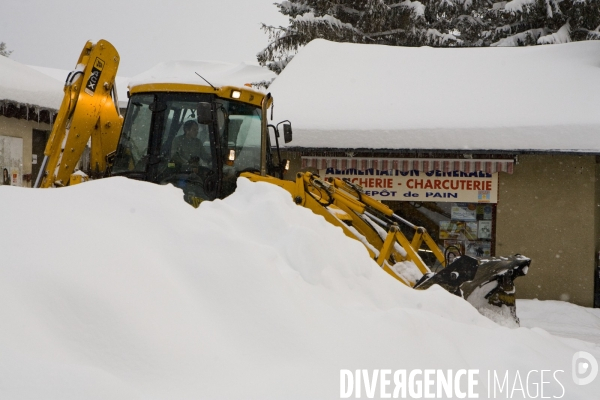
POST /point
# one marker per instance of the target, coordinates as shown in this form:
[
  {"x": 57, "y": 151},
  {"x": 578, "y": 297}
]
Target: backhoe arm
[{"x": 88, "y": 111}]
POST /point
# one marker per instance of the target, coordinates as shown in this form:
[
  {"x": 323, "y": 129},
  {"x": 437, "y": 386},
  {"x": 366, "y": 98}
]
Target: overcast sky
[{"x": 51, "y": 33}]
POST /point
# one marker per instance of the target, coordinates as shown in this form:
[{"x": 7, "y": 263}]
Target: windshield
[
  {"x": 240, "y": 132},
  {"x": 163, "y": 142},
  {"x": 133, "y": 143}
]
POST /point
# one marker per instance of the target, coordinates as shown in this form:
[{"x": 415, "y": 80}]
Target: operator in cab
[{"x": 188, "y": 151}]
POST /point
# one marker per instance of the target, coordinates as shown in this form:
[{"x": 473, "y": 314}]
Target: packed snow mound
[
  {"x": 24, "y": 85},
  {"x": 216, "y": 72},
  {"x": 561, "y": 318},
  {"x": 344, "y": 95},
  {"x": 117, "y": 289}
]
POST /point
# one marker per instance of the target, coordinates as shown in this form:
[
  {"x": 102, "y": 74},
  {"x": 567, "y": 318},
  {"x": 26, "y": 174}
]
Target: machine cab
[{"x": 198, "y": 141}]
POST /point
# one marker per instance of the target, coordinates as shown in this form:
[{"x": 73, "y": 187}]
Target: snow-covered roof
[
  {"x": 216, "y": 72},
  {"x": 341, "y": 95},
  {"x": 23, "y": 85},
  {"x": 61, "y": 76}
]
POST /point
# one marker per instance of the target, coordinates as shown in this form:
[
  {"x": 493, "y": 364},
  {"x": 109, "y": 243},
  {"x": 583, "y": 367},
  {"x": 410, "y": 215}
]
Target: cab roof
[{"x": 220, "y": 78}]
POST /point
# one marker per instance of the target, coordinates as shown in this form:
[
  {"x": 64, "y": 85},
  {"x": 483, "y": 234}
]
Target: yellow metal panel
[
  {"x": 434, "y": 248},
  {"x": 76, "y": 179},
  {"x": 412, "y": 253},
  {"x": 247, "y": 95},
  {"x": 388, "y": 244}
]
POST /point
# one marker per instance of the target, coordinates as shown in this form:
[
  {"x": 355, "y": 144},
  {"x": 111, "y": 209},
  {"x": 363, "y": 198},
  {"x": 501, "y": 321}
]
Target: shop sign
[{"x": 394, "y": 185}]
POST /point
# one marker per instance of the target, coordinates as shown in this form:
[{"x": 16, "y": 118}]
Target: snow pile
[
  {"x": 561, "y": 319},
  {"x": 342, "y": 95},
  {"x": 217, "y": 73},
  {"x": 117, "y": 289},
  {"x": 21, "y": 84},
  {"x": 563, "y": 35},
  {"x": 517, "y": 5},
  {"x": 519, "y": 38},
  {"x": 416, "y": 6},
  {"x": 61, "y": 76}
]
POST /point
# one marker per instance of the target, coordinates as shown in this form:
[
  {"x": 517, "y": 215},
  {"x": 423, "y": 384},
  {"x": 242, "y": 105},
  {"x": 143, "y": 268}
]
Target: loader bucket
[{"x": 488, "y": 284}]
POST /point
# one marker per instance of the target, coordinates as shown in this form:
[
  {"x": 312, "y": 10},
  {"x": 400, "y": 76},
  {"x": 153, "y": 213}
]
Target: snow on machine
[{"x": 201, "y": 138}]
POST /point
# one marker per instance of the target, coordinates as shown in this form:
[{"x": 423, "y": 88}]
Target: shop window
[{"x": 457, "y": 228}]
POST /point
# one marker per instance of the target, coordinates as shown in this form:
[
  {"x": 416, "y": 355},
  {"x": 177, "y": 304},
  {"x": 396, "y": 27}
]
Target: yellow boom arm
[{"x": 88, "y": 111}]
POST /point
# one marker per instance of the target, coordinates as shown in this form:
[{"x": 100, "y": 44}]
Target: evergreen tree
[
  {"x": 389, "y": 22},
  {"x": 356, "y": 21},
  {"x": 429, "y": 22},
  {"x": 531, "y": 22},
  {"x": 457, "y": 23},
  {"x": 3, "y": 50}
]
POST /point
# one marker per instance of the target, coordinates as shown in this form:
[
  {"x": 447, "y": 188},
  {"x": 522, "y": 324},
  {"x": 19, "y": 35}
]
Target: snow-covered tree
[
  {"x": 530, "y": 22},
  {"x": 429, "y": 22},
  {"x": 357, "y": 21},
  {"x": 457, "y": 22},
  {"x": 3, "y": 50}
]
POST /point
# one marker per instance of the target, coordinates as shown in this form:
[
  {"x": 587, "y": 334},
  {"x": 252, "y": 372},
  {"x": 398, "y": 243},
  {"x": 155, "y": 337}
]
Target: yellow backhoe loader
[{"x": 201, "y": 138}]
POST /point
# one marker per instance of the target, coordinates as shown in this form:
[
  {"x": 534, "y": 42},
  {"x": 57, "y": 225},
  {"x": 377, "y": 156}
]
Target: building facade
[
  {"x": 22, "y": 141},
  {"x": 29, "y": 101},
  {"x": 541, "y": 205},
  {"x": 494, "y": 150}
]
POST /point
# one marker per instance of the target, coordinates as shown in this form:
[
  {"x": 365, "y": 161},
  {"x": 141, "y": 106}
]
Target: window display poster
[
  {"x": 14, "y": 176},
  {"x": 6, "y": 176},
  {"x": 479, "y": 249},
  {"x": 11, "y": 176},
  {"x": 459, "y": 244},
  {"x": 471, "y": 230},
  {"x": 487, "y": 212},
  {"x": 485, "y": 230},
  {"x": 11, "y": 160},
  {"x": 464, "y": 212},
  {"x": 449, "y": 230}
]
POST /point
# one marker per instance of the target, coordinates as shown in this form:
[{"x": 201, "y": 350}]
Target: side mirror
[
  {"x": 287, "y": 133},
  {"x": 204, "y": 113}
]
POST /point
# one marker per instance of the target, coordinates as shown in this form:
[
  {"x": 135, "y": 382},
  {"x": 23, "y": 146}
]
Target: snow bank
[
  {"x": 561, "y": 319},
  {"x": 117, "y": 289},
  {"x": 341, "y": 95},
  {"x": 217, "y": 73},
  {"x": 22, "y": 84}
]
